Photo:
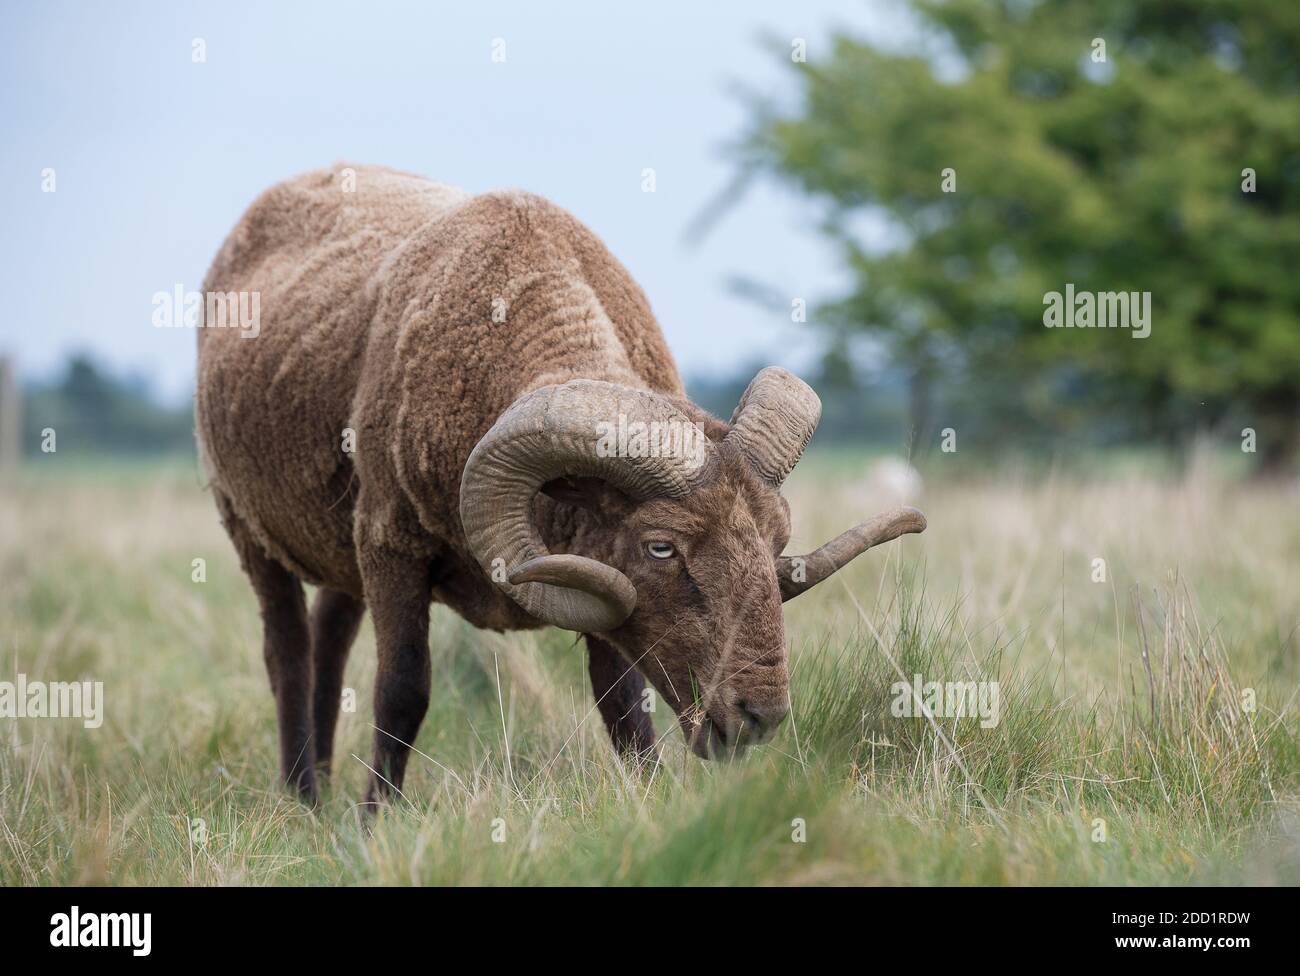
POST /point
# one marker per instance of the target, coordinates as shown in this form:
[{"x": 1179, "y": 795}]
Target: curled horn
[
  {"x": 799, "y": 573},
  {"x": 555, "y": 432},
  {"x": 773, "y": 423}
]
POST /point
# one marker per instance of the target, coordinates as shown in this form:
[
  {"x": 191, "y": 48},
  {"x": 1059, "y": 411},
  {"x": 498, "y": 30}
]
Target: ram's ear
[{"x": 592, "y": 494}]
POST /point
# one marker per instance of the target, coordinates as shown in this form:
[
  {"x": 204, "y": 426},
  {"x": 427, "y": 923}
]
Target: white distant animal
[{"x": 893, "y": 479}]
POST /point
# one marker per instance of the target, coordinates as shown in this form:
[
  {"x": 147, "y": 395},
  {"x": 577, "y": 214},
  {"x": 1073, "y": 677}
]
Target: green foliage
[{"x": 1122, "y": 174}]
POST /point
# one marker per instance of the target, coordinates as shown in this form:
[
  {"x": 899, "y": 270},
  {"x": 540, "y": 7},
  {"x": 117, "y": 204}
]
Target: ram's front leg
[
  {"x": 619, "y": 690},
  {"x": 397, "y": 592}
]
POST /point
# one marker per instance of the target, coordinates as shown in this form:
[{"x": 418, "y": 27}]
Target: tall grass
[{"x": 1147, "y": 726}]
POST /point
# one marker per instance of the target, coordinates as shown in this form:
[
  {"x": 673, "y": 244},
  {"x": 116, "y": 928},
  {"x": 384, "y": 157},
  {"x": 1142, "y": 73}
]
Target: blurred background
[{"x": 877, "y": 195}]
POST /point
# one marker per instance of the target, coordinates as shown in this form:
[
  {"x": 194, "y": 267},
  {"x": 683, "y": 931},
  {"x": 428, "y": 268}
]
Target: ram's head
[{"x": 676, "y": 559}]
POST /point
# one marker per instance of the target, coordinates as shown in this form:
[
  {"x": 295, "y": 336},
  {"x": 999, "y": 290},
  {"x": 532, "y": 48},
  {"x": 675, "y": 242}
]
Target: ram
[{"x": 465, "y": 399}]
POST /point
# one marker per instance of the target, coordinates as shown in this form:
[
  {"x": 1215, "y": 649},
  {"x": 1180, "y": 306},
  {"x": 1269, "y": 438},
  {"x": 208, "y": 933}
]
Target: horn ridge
[
  {"x": 557, "y": 431},
  {"x": 773, "y": 423},
  {"x": 797, "y": 574}
]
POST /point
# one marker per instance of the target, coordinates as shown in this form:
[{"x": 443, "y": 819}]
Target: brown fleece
[
  {"x": 377, "y": 318},
  {"x": 405, "y": 318}
]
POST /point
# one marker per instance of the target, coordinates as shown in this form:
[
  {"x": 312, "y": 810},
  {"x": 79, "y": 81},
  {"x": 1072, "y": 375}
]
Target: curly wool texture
[{"x": 412, "y": 314}]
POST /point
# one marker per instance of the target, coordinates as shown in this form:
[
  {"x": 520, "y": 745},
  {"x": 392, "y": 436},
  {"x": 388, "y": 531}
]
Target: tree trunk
[
  {"x": 920, "y": 394},
  {"x": 1278, "y": 436}
]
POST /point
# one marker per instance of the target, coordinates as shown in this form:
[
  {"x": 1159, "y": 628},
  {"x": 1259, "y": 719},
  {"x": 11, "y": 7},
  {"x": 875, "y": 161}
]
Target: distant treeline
[
  {"x": 96, "y": 411},
  {"x": 1056, "y": 413},
  {"x": 92, "y": 411},
  {"x": 872, "y": 413}
]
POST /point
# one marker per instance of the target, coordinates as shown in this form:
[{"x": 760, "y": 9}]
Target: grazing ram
[{"x": 524, "y": 454}]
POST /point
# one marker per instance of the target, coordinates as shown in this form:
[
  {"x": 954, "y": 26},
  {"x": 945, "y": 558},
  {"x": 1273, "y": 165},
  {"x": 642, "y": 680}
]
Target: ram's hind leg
[
  {"x": 286, "y": 645},
  {"x": 335, "y": 619}
]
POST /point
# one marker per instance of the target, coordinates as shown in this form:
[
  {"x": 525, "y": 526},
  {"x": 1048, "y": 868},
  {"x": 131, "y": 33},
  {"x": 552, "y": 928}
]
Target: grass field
[{"x": 1148, "y": 727}]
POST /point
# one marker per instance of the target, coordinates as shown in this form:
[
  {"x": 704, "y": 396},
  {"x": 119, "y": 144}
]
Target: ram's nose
[{"x": 761, "y": 718}]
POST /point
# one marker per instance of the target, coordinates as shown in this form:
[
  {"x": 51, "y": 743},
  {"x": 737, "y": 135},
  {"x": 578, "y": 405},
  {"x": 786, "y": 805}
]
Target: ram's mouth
[{"x": 709, "y": 739}]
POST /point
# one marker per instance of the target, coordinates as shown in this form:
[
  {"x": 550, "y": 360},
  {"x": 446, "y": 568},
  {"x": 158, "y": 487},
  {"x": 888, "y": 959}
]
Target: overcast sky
[{"x": 156, "y": 156}]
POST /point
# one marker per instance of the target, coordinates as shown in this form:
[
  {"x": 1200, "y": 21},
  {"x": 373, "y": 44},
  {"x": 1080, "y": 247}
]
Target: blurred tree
[
  {"x": 1096, "y": 142},
  {"x": 852, "y": 411},
  {"x": 95, "y": 413}
]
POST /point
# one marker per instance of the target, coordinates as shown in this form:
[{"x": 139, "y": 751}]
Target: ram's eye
[{"x": 660, "y": 550}]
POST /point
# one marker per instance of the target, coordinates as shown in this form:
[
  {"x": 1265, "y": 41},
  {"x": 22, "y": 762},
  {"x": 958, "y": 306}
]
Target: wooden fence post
[{"x": 11, "y": 425}]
